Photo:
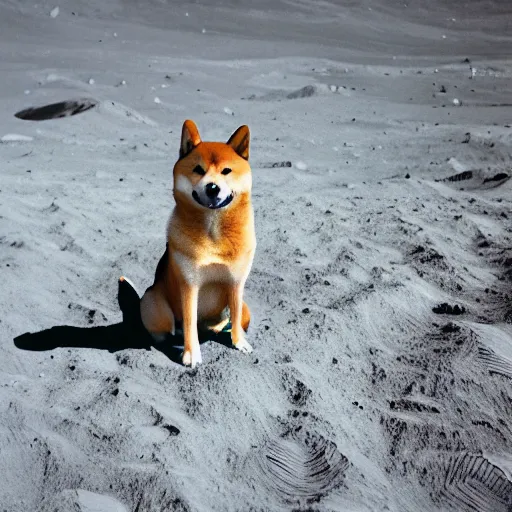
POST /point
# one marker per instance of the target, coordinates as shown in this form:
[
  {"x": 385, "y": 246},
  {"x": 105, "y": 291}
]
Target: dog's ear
[
  {"x": 239, "y": 141},
  {"x": 189, "y": 138}
]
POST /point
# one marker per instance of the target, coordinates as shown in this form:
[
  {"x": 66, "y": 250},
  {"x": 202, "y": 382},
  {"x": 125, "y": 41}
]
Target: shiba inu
[{"x": 211, "y": 241}]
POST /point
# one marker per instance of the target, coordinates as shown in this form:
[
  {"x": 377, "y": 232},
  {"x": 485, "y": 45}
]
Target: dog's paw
[
  {"x": 192, "y": 358},
  {"x": 243, "y": 346}
]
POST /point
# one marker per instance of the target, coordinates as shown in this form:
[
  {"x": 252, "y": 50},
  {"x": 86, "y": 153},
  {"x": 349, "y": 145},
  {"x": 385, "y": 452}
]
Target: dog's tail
[{"x": 129, "y": 302}]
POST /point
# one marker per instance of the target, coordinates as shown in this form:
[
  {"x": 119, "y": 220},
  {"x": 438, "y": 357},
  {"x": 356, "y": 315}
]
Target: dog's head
[{"x": 212, "y": 175}]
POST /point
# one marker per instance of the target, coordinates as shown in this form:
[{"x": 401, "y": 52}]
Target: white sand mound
[{"x": 84, "y": 501}]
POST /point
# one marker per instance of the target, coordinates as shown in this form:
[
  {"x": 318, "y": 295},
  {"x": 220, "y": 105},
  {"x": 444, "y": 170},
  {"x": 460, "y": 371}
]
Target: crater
[{"x": 57, "y": 110}]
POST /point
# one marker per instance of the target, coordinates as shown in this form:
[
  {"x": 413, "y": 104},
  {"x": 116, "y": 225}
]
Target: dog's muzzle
[{"x": 212, "y": 199}]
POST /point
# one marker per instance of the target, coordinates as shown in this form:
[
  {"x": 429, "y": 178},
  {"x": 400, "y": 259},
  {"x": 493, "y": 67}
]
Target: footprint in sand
[
  {"x": 472, "y": 483},
  {"x": 302, "y": 469}
]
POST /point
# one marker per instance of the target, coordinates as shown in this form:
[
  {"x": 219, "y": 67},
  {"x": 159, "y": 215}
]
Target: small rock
[
  {"x": 54, "y": 12},
  {"x": 446, "y": 309},
  {"x": 173, "y": 431},
  {"x": 450, "y": 327}
]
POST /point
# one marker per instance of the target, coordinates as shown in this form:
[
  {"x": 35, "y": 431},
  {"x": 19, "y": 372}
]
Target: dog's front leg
[
  {"x": 235, "y": 306},
  {"x": 192, "y": 351}
]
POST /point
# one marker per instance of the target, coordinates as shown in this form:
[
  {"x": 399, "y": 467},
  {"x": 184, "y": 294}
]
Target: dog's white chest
[
  {"x": 208, "y": 272},
  {"x": 215, "y": 273}
]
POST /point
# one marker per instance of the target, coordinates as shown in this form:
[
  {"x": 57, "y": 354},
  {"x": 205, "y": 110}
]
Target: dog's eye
[
  {"x": 225, "y": 171},
  {"x": 199, "y": 170}
]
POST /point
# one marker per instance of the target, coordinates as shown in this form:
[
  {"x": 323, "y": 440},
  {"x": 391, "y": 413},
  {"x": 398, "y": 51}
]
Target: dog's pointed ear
[
  {"x": 239, "y": 141},
  {"x": 189, "y": 138}
]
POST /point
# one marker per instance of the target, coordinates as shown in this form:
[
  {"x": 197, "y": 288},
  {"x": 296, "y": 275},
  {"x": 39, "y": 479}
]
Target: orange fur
[{"x": 210, "y": 245}]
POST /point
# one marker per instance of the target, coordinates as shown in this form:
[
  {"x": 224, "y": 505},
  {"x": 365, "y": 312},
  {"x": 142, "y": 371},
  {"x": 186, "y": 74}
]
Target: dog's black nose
[{"x": 212, "y": 190}]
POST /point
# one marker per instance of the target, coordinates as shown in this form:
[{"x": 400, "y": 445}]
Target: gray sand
[{"x": 378, "y": 199}]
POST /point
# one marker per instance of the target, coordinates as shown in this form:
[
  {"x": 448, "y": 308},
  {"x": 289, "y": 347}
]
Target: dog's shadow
[{"x": 130, "y": 333}]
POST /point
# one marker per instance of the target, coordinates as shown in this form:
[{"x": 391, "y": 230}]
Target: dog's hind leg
[
  {"x": 246, "y": 316},
  {"x": 156, "y": 314}
]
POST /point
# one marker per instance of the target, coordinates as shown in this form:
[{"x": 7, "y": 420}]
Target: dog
[{"x": 211, "y": 241}]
